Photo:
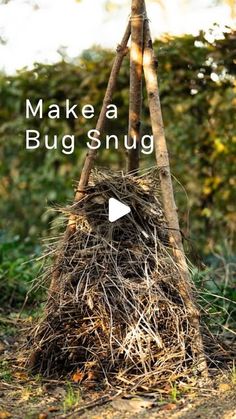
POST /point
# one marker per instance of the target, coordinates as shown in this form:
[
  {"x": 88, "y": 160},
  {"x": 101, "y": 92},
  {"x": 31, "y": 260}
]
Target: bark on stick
[
  {"x": 91, "y": 155},
  {"x": 185, "y": 284},
  {"x": 136, "y": 68},
  {"x": 122, "y": 50}
]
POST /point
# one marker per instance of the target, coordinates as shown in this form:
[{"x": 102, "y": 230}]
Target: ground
[{"x": 32, "y": 397}]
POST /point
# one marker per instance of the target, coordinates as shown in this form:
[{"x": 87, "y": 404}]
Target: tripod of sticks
[{"x": 143, "y": 61}]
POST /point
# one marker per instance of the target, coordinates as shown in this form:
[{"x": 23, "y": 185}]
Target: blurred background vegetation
[{"x": 197, "y": 88}]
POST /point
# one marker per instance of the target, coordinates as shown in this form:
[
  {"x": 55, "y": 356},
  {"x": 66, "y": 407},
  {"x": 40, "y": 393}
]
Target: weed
[
  {"x": 71, "y": 399},
  {"x": 233, "y": 374},
  {"x": 5, "y": 372},
  {"x": 38, "y": 378},
  {"x": 217, "y": 291},
  {"x": 7, "y": 329},
  {"x": 17, "y": 271},
  {"x": 174, "y": 393}
]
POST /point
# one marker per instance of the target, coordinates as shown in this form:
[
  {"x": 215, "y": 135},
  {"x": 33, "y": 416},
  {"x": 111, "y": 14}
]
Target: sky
[{"x": 35, "y": 30}]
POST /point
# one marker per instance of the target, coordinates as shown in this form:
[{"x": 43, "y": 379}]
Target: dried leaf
[
  {"x": 90, "y": 302},
  {"x": 19, "y": 375},
  {"x": 53, "y": 408},
  {"x": 169, "y": 406},
  {"x": 78, "y": 376},
  {"x": 91, "y": 375},
  {"x": 99, "y": 200},
  {"x": 5, "y": 415},
  {"x": 224, "y": 387}
]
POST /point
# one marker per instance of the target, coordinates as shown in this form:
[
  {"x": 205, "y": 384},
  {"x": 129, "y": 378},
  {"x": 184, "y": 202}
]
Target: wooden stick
[
  {"x": 91, "y": 155},
  {"x": 136, "y": 68},
  {"x": 185, "y": 283}
]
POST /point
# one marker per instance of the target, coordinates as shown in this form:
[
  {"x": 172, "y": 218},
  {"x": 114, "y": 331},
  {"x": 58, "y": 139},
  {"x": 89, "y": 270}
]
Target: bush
[
  {"x": 217, "y": 287},
  {"x": 17, "y": 270}
]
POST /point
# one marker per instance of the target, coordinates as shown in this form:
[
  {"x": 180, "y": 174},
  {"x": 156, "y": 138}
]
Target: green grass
[
  {"x": 216, "y": 286},
  {"x": 17, "y": 270},
  {"x": 174, "y": 393},
  {"x": 5, "y": 372},
  {"x": 233, "y": 374},
  {"x": 72, "y": 398}
]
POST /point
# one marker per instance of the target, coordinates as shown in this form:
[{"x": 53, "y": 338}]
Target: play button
[{"x": 117, "y": 210}]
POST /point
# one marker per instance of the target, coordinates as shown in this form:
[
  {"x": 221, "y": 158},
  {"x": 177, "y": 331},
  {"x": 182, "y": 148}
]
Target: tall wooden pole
[
  {"x": 136, "y": 68},
  {"x": 184, "y": 285},
  {"x": 91, "y": 155},
  {"x": 121, "y": 51}
]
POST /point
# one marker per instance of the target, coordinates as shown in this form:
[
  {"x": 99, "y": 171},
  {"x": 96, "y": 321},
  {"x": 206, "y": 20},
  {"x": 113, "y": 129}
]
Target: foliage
[
  {"x": 16, "y": 272},
  {"x": 72, "y": 398},
  {"x": 198, "y": 94},
  {"x": 200, "y": 127},
  {"x": 216, "y": 284},
  {"x": 233, "y": 374},
  {"x": 197, "y": 88},
  {"x": 5, "y": 372}
]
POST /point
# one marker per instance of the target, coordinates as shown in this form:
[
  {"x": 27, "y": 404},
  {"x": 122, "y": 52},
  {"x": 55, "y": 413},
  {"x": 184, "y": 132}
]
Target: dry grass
[{"x": 117, "y": 315}]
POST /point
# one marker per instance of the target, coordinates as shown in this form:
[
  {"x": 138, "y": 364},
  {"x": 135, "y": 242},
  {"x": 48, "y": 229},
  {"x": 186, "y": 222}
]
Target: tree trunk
[
  {"x": 136, "y": 68},
  {"x": 185, "y": 283}
]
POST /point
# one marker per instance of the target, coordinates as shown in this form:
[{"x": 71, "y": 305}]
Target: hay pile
[{"x": 117, "y": 314}]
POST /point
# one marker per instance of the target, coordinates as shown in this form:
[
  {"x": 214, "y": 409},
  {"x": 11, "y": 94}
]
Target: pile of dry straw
[{"x": 116, "y": 315}]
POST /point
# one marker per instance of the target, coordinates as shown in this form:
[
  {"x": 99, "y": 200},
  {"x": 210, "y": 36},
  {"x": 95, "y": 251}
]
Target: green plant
[
  {"x": 72, "y": 398},
  {"x": 216, "y": 287},
  {"x": 5, "y": 372},
  {"x": 174, "y": 392},
  {"x": 17, "y": 270},
  {"x": 233, "y": 374},
  {"x": 7, "y": 329}
]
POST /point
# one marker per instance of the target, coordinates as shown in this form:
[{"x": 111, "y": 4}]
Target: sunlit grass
[{"x": 72, "y": 398}]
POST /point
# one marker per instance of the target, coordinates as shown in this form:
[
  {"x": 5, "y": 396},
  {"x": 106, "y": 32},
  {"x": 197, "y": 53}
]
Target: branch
[{"x": 136, "y": 64}]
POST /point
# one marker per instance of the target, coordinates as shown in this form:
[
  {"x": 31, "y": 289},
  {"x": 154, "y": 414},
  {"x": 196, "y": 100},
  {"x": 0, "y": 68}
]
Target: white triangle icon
[{"x": 117, "y": 210}]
